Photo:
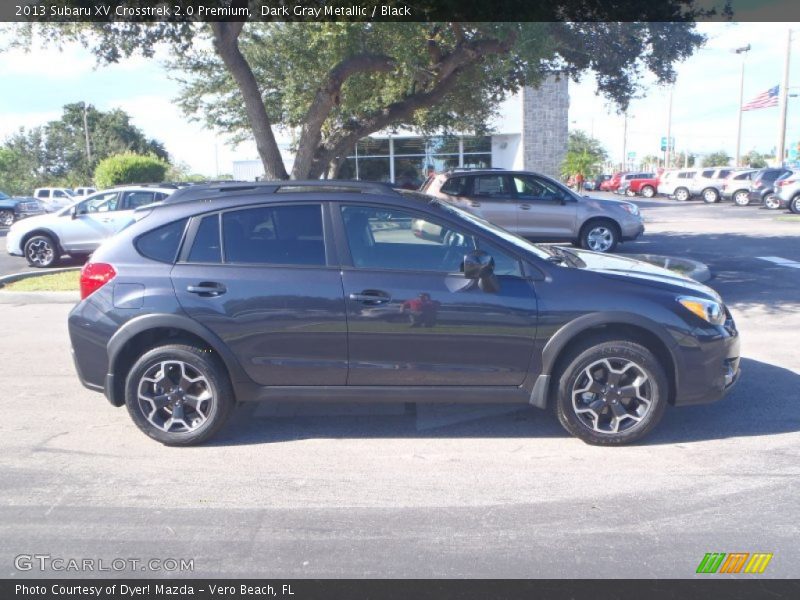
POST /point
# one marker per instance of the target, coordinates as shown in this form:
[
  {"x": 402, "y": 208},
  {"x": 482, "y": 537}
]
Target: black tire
[
  {"x": 741, "y": 197},
  {"x": 6, "y": 218},
  {"x": 41, "y": 251},
  {"x": 710, "y": 196},
  {"x": 682, "y": 194},
  {"x": 648, "y": 191},
  {"x": 794, "y": 205},
  {"x": 772, "y": 202},
  {"x": 599, "y": 229},
  {"x": 573, "y": 375},
  {"x": 199, "y": 361}
]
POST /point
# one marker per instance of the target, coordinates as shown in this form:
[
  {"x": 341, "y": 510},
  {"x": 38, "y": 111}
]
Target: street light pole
[
  {"x": 784, "y": 101},
  {"x": 668, "y": 152},
  {"x": 743, "y": 51},
  {"x": 625, "y": 141},
  {"x": 86, "y": 135}
]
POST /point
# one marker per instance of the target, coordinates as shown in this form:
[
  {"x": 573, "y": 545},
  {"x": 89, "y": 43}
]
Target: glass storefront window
[
  {"x": 443, "y": 145},
  {"x": 373, "y": 147},
  {"x": 409, "y": 146},
  {"x": 477, "y": 161},
  {"x": 373, "y": 169},
  {"x": 478, "y": 144}
]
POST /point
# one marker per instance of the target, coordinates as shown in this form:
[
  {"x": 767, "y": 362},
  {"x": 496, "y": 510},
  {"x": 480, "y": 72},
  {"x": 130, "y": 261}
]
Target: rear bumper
[{"x": 757, "y": 197}]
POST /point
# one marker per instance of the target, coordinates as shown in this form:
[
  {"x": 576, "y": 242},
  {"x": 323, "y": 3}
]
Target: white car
[
  {"x": 54, "y": 198},
  {"x": 677, "y": 183},
  {"x": 82, "y": 192},
  {"x": 78, "y": 229}
]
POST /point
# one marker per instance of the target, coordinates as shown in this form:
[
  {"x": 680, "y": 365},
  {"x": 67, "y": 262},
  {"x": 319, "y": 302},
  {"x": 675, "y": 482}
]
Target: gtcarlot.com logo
[
  {"x": 734, "y": 562},
  {"x": 46, "y": 562}
]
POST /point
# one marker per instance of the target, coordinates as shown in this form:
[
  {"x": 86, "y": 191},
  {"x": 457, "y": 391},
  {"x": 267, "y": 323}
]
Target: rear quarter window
[{"x": 162, "y": 243}]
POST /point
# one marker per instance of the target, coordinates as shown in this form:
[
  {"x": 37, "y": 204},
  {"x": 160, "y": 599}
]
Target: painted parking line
[{"x": 783, "y": 262}]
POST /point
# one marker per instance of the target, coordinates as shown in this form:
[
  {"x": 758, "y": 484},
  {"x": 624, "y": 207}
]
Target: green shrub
[{"x": 129, "y": 168}]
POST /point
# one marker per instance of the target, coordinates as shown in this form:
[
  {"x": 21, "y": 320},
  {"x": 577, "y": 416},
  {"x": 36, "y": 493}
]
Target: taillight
[
  {"x": 94, "y": 276},
  {"x": 786, "y": 181},
  {"x": 757, "y": 183}
]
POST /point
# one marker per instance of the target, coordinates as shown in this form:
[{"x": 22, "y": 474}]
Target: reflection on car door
[
  {"x": 413, "y": 319},
  {"x": 545, "y": 211},
  {"x": 91, "y": 223},
  {"x": 491, "y": 198}
]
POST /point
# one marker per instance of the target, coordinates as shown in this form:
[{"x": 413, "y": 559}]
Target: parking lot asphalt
[{"x": 446, "y": 492}]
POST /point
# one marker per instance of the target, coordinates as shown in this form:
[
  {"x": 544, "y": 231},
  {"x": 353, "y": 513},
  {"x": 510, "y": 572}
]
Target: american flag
[{"x": 763, "y": 100}]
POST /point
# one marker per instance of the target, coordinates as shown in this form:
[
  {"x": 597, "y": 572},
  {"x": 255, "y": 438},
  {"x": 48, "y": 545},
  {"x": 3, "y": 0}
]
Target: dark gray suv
[{"x": 325, "y": 291}]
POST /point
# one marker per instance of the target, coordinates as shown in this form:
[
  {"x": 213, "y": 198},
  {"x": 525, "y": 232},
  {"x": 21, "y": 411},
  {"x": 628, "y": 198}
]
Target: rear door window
[
  {"x": 206, "y": 247},
  {"x": 491, "y": 186},
  {"x": 278, "y": 235},
  {"x": 455, "y": 186}
]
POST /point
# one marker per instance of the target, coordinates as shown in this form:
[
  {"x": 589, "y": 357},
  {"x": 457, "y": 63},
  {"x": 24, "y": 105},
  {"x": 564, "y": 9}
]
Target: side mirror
[
  {"x": 73, "y": 212},
  {"x": 480, "y": 265}
]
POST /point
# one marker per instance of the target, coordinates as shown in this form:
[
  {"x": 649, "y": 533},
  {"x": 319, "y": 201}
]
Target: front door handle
[
  {"x": 371, "y": 297},
  {"x": 207, "y": 289}
]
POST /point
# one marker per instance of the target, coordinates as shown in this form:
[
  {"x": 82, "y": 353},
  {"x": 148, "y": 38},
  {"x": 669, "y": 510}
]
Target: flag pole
[
  {"x": 743, "y": 51},
  {"x": 783, "y": 102}
]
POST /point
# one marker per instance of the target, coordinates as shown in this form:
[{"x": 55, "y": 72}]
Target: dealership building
[{"x": 529, "y": 133}]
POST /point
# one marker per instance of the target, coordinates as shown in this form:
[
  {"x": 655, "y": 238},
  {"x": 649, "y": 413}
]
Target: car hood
[
  {"x": 44, "y": 220},
  {"x": 639, "y": 271},
  {"x": 603, "y": 203}
]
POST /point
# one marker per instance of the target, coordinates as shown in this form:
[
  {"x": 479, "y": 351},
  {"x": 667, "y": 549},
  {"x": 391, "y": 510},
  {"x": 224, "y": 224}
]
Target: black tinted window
[
  {"x": 206, "y": 248},
  {"x": 162, "y": 244},
  {"x": 455, "y": 186},
  {"x": 282, "y": 235}
]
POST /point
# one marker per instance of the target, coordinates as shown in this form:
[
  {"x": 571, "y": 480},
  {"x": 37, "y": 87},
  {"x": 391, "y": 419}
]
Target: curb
[
  {"x": 28, "y": 274},
  {"x": 694, "y": 269}
]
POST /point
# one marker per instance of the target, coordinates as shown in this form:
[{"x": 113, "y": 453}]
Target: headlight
[
  {"x": 631, "y": 208},
  {"x": 708, "y": 310}
]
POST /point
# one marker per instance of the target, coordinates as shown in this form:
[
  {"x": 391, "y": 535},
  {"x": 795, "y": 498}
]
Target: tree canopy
[
  {"x": 585, "y": 156},
  {"x": 720, "y": 158},
  {"x": 333, "y": 83}
]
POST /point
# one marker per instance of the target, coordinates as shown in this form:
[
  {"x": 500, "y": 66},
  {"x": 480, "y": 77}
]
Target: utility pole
[
  {"x": 783, "y": 102},
  {"x": 669, "y": 130},
  {"x": 86, "y": 135},
  {"x": 743, "y": 51},
  {"x": 625, "y": 142}
]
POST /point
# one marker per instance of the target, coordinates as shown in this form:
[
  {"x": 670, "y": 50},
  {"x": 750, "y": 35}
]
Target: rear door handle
[
  {"x": 207, "y": 289},
  {"x": 371, "y": 297}
]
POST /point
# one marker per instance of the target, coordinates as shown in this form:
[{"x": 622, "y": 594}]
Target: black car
[
  {"x": 762, "y": 188},
  {"x": 317, "y": 291},
  {"x": 16, "y": 208}
]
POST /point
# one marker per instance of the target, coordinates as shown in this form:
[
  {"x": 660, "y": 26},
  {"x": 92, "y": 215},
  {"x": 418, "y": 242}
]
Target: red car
[
  {"x": 611, "y": 185},
  {"x": 646, "y": 186}
]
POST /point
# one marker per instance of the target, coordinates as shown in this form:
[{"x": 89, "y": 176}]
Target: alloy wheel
[
  {"x": 741, "y": 198},
  {"x": 41, "y": 253},
  {"x": 682, "y": 195},
  {"x": 648, "y": 192},
  {"x": 175, "y": 397},
  {"x": 710, "y": 196},
  {"x": 612, "y": 395},
  {"x": 600, "y": 238},
  {"x": 772, "y": 202},
  {"x": 6, "y": 218}
]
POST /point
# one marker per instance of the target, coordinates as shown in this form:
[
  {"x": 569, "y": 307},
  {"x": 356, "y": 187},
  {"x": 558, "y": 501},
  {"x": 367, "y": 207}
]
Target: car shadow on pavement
[{"x": 764, "y": 402}]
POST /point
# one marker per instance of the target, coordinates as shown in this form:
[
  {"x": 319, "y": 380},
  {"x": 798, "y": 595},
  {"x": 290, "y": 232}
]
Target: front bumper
[
  {"x": 632, "y": 230},
  {"x": 710, "y": 365}
]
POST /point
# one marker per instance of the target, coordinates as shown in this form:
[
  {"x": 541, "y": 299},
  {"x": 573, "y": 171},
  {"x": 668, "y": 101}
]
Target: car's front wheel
[
  {"x": 710, "y": 196},
  {"x": 741, "y": 198},
  {"x": 611, "y": 393},
  {"x": 41, "y": 251},
  {"x": 6, "y": 218},
  {"x": 179, "y": 395},
  {"x": 600, "y": 236},
  {"x": 772, "y": 202},
  {"x": 682, "y": 194}
]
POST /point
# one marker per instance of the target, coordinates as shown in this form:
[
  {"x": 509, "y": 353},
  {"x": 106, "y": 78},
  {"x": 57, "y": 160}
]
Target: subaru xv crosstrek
[{"x": 321, "y": 291}]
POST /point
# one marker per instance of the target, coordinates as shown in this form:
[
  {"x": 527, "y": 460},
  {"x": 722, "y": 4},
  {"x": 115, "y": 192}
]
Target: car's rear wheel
[
  {"x": 600, "y": 236},
  {"x": 648, "y": 191},
  {"x": 710, "y": 196},
  {"x": 6, "y": 218},
  {"x": 794, "y": 205},
  {"x": 41, "y": 251},
  {"x": 179, "y": 395},
  {"x": 682, "y": 194},
  {"x": 772, "y": 202},
  {"x": 611, "y": 393},
  {"x": 741, "y": 198}
]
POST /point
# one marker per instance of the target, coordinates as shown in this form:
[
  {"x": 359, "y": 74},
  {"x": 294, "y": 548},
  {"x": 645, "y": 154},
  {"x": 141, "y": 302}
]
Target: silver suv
[
  {"x": 788, "y": 191},
  {"x": 539, "y": 208},
  {"x": 708, "y": 183},
  {"x": 79, "y": 228}
]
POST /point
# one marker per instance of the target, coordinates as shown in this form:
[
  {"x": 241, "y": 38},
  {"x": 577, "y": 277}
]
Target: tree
[
  {"x": 756, "y": 160},
  {"x": 56, "y": 152},
  {"x": 129, "y": 168},
  {"x": 680, "y": 160},
  {"x": 651, "y": 161},
  {"x": 585, "y": 156},
  {"x": 719, "y": 158},
  {"x": 334, "y": 83}
]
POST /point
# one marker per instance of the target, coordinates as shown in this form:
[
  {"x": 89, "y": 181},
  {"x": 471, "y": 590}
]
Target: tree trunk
[{"x": 226, "y": 43}]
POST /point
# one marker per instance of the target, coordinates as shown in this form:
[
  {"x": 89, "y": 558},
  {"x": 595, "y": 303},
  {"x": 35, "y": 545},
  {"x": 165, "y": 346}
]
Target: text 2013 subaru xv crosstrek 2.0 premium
[{"x": 321, "y": 291}]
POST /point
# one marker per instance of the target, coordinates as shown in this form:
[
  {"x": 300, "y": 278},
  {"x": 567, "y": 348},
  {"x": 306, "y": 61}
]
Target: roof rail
[
  {"x": 458, "y": 169},
  {"x": 203, "y": 191}
]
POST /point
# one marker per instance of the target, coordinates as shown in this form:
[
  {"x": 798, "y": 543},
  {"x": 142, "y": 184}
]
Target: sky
[{"x": 704, "y": 109}]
